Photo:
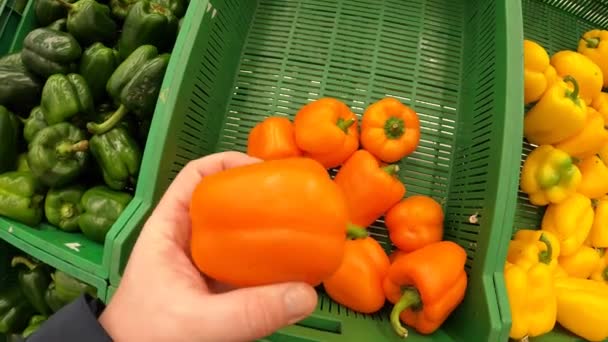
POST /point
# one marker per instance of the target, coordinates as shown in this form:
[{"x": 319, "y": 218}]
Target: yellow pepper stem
[
  {"x": 573, "y": 95},
  {"x": 545, "y": 256}
]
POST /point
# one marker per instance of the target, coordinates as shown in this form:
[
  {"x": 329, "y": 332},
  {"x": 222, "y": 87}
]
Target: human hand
[{"x": 163, "y": 296}]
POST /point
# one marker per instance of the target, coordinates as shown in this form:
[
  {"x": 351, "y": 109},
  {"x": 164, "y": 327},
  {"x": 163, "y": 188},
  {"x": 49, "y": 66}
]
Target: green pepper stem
[
  {"x": 65, "y": 4},
  {"x": 605, "y": 274},
  {"x": 394, "y": 128},
  {"x": 18, "y": 260},
  {"x": 545, "y": 256},
  {"x": 391, "y": 169},
  {"x": 573, "y": 95},
  {"x": 67, "y": 148},
  {"x": 592, "y": 42},
  {"x": 345, "y": 124},
  {"x": 67, "y": 211},
  {"x": 354, "y": 232},
  {"x": 409, "y": 299},
  {"x": 106, "y": 126}
]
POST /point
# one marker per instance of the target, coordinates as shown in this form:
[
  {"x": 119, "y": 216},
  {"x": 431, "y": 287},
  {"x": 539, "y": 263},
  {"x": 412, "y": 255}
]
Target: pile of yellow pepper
[{"x": 559, "y": 274}]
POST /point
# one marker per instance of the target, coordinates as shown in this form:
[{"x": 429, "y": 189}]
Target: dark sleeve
[{"x": 75, "y": 322}]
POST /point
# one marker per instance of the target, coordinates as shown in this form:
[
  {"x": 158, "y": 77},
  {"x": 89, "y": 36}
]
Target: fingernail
[{"x": 299, "y": 302}]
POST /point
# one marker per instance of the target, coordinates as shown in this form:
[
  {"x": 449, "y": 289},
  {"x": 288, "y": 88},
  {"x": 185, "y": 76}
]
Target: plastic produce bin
[
  {"x": 69, "y": 248},
  {"x": 452, "y": 61},
  {"x": 110, "y": 294},
  {"x": 11, "y": 16}
]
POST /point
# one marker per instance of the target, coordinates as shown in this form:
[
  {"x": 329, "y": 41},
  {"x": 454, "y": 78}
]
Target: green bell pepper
[
  {"x": 178, "y": 7},
  {"x": 48, "y": 11},
  {"x": 90, "y": 21},
  {"x": 33, "y": 124},
  {"x": 102, "y": 207},
  {"x": 34, "y": 324},
  {"x": 22, "y": 164},
  {"x": 15, "y": 310},
  {"x": 9, "y": 139},
  {"x": 47, "y": 52},
  {"x": 58, "y": 154},
  {"x": 64, "y": 289},
  {"x": 59, "y": 25},
  {"x": 62, "y": 207},
  {"x": 97, "y": 66},
  {"x": 13, "y": 60},
  {"x": 135, "y": 85},
  {"x": 21, "y": 197},
  {"x": 34, "y": 281},
  {"x": 147, "y": 23},
  {"x": 64, "y": 97},
  {"x": 119, "y": 157},
  {"x": 19, "y": 89},
  {"x": 120, "y": 8}
]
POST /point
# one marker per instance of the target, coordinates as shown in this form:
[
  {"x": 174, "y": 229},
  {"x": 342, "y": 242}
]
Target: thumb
[{"x": 251, "y": 313}]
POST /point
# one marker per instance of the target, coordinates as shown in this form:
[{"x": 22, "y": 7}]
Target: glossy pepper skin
[
  {"x": 570, "y": 221},
  {"x": 64, "y": 289},
  {"x": 587, "y": 74},
  {"x": 120, "y": 8},
  {"x": 549, "y": 176},
  {"x": 529, "y": 247},
  {"x": 594, "y": 45},
  {"x": 582, "y": 307},
  {"x": 34, "y": 324},
  {"x": 589, "y": 140},
  {"x": 594, "y": 179},
  {"x": 558, "y": 115},
  {"x": 600, "y": 273},
  {"x": 368, "y": 200},
  {"x": 426, "y": 286},
  {"x": 102, "y": 207},
  {"x": 90, "y": 22},
  {"x": 326, "y": 130},
  {"x": 119, "y": 157},
  {"x": 147, "y": 23},
  {"x": 62, "y": 207},
  {"x": 273, "y": 138},
  {"x": 65, "y": 96},
  {"x": 178, "y": 7},
  {"x": 598, "y": 236},
  {"x": 9, "y": 139},
  {"x": 289, "y": 227},
  {"x": 34, "y": 279},
  {"x": 97, "y": 66},
  {"x": 59, "y": 25},
  {"x": 357, "y": 284},
  {"x": 582, "y": 263},
  {"x": 22, "y": 164},
  {"x": 21, "y": 197},
  {"x": 539, "y": 75},
  {"x": 34, "y": 124},
  {"x": 390, "y": 130},
  {"x": 15, "y": 311},
  {"x": 601, "y": 105},
  {"x": 19, "y": 88},
  {"x": 47, "y": 52},
  {"x": 49, "y": 11},
  {"x": 415, "y": 222},
  {"x": 58, "y": 154}
]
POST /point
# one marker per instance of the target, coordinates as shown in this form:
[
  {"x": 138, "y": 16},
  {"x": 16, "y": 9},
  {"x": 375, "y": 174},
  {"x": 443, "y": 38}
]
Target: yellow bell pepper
[
  {"x": 594, "y": 180},
  {"x": 598, "y": 236},
  {"x": 559, "y": 272},
  {"x": 549, "y": 176},
  {"x": 570, "y": 221},
  {"x": 589, "y": 140},
  {"x": 528, "y": 247},
  {"x": 582, "y": 307},
  {"x": 559, "y": 114},
  {"x": 582, "y": 263},
  {"x": 588, "y": 75},
  {"x": 532, "y": 299},
  {"x": 601, "y": 105},
  {"x": 601, "y": 270},
  {"x": 538, "y": 73},
  {"x": 594, "y": 45}
]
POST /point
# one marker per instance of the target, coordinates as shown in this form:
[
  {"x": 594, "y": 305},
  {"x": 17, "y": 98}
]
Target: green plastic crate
[
  {"x": 11, "y": 16},
  {"x": 110, "y": 294},
  {"x": 556, "y": 25},
  {"x": 89, "y": 256},
  {"x": 452, "y": 61}
]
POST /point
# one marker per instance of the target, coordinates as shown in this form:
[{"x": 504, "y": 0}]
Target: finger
[{"x": 256, "y": 312}]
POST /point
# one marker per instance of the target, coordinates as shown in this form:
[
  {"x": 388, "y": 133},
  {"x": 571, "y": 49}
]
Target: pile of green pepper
[
  {"x": 32, "y": 292},
  {"x": 75, "y": 108}
]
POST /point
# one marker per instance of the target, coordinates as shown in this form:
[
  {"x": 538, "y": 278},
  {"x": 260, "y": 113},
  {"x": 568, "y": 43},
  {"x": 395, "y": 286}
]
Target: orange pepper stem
[
  {"x": 391, "y": 169},
  {"x": 409, "y": 299},
  {"x": 345, "y": 124},
  {"x": 573, "y": 95},
  {"x": 394, "y": 128},
  {"x": 354, "y": 232},
  {"x": 545, "y": 256},
  {"x": 592, "y": 43}
]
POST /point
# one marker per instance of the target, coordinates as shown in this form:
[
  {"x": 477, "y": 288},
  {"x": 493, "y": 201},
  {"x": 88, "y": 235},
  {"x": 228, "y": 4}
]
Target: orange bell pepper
[
  {"x": 357, "y": 284},
  {"x": 600, "y": 103},
  {"x": 426, "y": 286},
  {"x": 415, "y": 222},
  {"x": 273, "y": 138},
  {"x": 390, "y": 130},
  {"x": 326, "y": 130},
  {"x": 270, "y": 222},
  {"x": 589, "y": 140},
  {"x": 370, "y": 189}
]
